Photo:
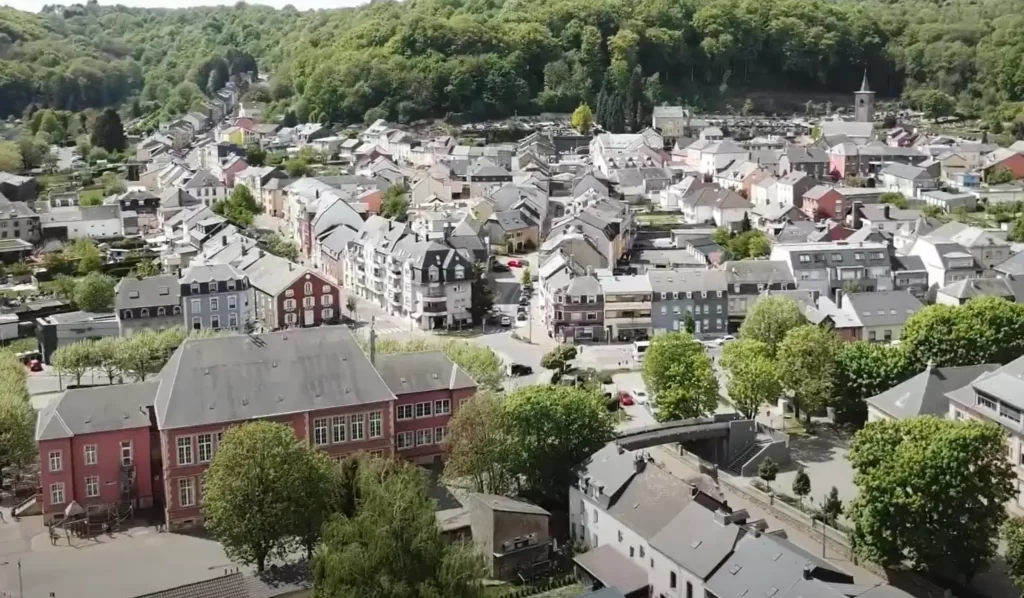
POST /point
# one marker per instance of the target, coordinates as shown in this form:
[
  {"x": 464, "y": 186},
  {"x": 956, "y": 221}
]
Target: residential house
[
  {"x": 925, "y": 393},
  {"x": 251, "y": 110},
  {"x": 627, "y": 307},
  {"x": 18, "y": 221},
  {"x": 740, "y": 176},
  {"x": 763, "y": 192},
  {"x": 151, "y": 303},
  {"x": 828, "y": 267},
  {"x": 94, "y": 450},
  {"x": 908, "y": 180},
  {"x": 512, "y": 535},
  {"x": 720, "y": 154},
  {"x": 826, "y": 201},
  {"x": 956, "y": 251},
  {"x": 881, "y": 314},
  {"x": 216, "y": 297},
  {"x": 432, "y": 187},
  {"x": 429, "y": 388},
  {"x": 513, "y": 230},
  {"x": 1004, "y": 159},
  {"x": 748, "y": 280},
  {"x": 883, "y": 217},
  {"x": 909, "y": 274},
  {"x": 274, "y": 196},
  {"x": 288, "y": 295},
  {"x": 790, "y": 188},
  {"x": 702, "y": 204},
  {"x": 811, "y": 161},
  {"x": 850, "y": 159},
  {"x": 18, "y": 188},
  {"x": 78, "y": 222},
  {"x": 141, "y": 201},
  {"x": 608, "y": 148},
  {"x": 255, "y": 177},
  {"x": 962, "y": 291},
  {"x": 703, "y": 295},
  {"x": 995, "y": 397},
  {"x": 206, "y": 187},
  {"x": 576, "y": 311}
]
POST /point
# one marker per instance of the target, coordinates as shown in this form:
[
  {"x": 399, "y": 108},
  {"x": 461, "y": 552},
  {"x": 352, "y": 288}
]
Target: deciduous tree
[
  {"x": 679, "y": 376},
  {"x": 984, "y": 330},
  {"x": 558, "y": 358},
  {"x": 477, "y": 447},
  {"x": 1013, "y": 536},
  {"x": 914, "y": 477},
  {"x": 10, "y": 157},
  {"x": 394, "y": 204},
  {"x": 753, "y": 375},
  {"x": 583, "y": 119},
  {"x": 74, "y": 360},
  {"x": 767, "y": 471},
  {"x": 864, "y": 370},
  {"x": 807, "y": 359},
  {"x": 94, "y": 292},
  {"x": 108, "y": 132},
  {"x": 278, "y": 245},
  {"x": 18, "y": 447},
  {"x": 770, "y": 318},
  {"x": 801, "y": 484}
]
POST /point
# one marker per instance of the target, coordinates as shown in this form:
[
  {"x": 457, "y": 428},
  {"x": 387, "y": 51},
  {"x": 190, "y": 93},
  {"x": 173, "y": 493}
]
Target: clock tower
[{"x": 864, "y": 102}]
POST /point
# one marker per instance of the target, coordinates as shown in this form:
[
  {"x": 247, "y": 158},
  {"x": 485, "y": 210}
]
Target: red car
[
  {"x": 625, "y": 400},
  {"x": 515, "y": 264},
  {"x": 35, "y": 366}
]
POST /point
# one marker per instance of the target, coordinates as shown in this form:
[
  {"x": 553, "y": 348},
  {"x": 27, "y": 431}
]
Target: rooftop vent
[
  {"x": 245, "y": 401},
  {"x": 164, "y": 291},
  {"x": 133, "y": 294}
]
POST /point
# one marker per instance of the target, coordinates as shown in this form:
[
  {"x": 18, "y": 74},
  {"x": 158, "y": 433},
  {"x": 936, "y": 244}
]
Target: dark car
[
  {"x": 500, "y": 267},
  {"x": 524, "y": 300},
  {"x": 518, "y": 369}
]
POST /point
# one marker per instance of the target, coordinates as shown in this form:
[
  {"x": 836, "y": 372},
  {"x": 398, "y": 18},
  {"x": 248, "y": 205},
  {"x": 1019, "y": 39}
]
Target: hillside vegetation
[{"x": 488, "y": 58}]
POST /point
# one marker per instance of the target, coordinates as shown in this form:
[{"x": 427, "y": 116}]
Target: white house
[
  {"x": 88, "y": 222},
  {"x": 206, "y": 187},
  {"x": 720, "y": 154},
  {"x": 908, "y": 180}
]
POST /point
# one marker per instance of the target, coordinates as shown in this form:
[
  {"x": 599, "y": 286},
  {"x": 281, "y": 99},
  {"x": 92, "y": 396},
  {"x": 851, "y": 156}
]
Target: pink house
[{"x": 95, "y": 450}]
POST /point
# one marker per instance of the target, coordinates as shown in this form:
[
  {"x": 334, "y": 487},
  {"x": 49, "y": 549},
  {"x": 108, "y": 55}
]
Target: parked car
[
  {"x": 640, "y": 396},
  {"x": 499, "y": 267},
  {"x": 35, "y": 365},
  {"x": 524, "y": 300},
  {"x": 515, "y": 264},
  {"x": 718, "y": 342},
  {"x": 625, "y": 400},
  {"x": 522, "y": 317},
  {"x": 518, "y": 369}
]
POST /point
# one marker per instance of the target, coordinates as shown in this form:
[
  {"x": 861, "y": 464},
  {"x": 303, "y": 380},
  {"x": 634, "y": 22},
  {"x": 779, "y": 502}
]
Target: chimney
[
  {"x": 373, "y": 341},
  {"x": 224, "y": 240},
  {"x": 808, "y": 571},
  {"x": 261, "y": 253},
  {"x": 885, "y": 211},
  {"x": 930, "y": 367},
  {"x": 244, "y": 249},
  {"x": 639, "y": 463},
  {"x": 855, "y": 214}
]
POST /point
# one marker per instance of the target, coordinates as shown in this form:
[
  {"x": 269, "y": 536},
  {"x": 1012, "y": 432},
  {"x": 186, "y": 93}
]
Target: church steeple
[
  {"x": 864, "y": 102},
  {"x": 864, "y": 83}
]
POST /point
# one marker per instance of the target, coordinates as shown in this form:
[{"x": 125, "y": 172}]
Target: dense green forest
[{"x": 487, "y": 58}]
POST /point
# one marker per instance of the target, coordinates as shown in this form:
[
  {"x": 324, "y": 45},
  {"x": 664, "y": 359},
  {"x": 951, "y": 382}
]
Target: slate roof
[
  {"x": 613, "y": 569},
  {"x": 97, "y": 409},
  {"x": 272, "y": 274},
  {"x": 507, "y": 505},
  {"x": 203, "y": 178},
  {"x": 240, "y": 377},
  {"x": 430, "y": 371},
  {"x": 985, "y": 287},
  {"x": 227, "y": 586},
  {"x": 689, "y": 279},
  {"x": 511, "y": 220},
  {"x": 925, "y": 393},
  {"x": 147, "y": 292},
  {"x": 697, "y": 540},
  {"x": 882, "y": 308},
  {"x": 210, "y": 273},
  {"x": 63, "y": 214},
  {"x": 177, "y": 197},
  {"x": 1012, "y": 266},
  {"x": 805, "y": 155},
  {"x": 765, "y": 561},
  {"x": 907, "y": 172},
  {"x": 758, "y": 272}
]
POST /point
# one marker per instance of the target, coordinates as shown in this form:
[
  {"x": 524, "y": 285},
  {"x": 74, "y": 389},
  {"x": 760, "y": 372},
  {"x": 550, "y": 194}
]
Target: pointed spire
[{"x": 864, "y": 83}]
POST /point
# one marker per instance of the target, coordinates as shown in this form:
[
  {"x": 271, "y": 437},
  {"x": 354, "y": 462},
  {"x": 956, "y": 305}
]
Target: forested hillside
[{"x": 490, "y": 58}]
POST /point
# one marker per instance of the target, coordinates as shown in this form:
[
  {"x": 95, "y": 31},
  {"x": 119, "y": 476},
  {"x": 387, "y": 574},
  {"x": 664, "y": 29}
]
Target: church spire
[{"x": 864, "y": 83}]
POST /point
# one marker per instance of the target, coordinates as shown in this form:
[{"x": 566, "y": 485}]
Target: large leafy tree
[
  {"x": 481, "y": 363},
  {"x": 394, "y": 204},
  {"x": 476, "y": 447},
  {"x": 753, "y": 375},
  {"x": 75, "y": 359},
  {"x": 770, "y": 318},
  {"x": 679, "y": 375},
  {"x": 807, "y": 360},
  {"x": 984, "y": 330},
  {"x": 1013, "y": 537},
  {"x": 94, "y": 292},
  {"x": 240, "y": 207},
  {"x": 931, "y": 493},
  {"x": 864, "y": 370},
  {"x": 108, "y": 132},
  {"x": 392, "y": 546},
  {"x": 17, "y": 417},
  {"x": 264, "y": 488}
]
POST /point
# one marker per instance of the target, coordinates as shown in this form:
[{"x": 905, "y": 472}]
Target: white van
[{"x": 639, "y": 349}]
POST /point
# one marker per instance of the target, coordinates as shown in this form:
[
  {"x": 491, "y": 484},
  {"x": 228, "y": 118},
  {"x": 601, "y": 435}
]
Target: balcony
[
  {"x": 434, "y": 292},
  {"x": 395, "y": 299},
  {"x": 435, "y": 309}
]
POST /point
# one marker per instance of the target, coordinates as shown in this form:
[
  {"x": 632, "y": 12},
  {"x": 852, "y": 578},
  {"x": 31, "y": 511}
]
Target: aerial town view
[{"x": 512, "y": 299}]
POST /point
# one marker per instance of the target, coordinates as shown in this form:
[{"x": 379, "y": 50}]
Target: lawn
[{"x": 658, "y": 219}]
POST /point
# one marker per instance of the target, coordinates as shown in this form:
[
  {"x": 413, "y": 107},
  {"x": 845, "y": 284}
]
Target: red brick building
[
  {"x": 316, "y": 380},
  {"x": 288, "y": 295}
]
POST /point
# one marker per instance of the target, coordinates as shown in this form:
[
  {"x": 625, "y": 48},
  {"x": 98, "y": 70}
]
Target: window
[
  {"x": 204, "y": 445},
  {"x": 460, "y": 272},
  {"x": 290, "y": 319},
  {"x": 186, "y": 492},
  {"x": 803, "y": 260},
  {"x": 887, "y": 335},
  {"x": 423, "y": 409},
  {"x": 718, "y": 308},
  {"x": 57, "y": 493},
  {"x": 424, "y": 437},
  {"x": 326, "y": 299},
  {"x": 176, "y": 310},
  {"x": 195, "y": 288},
  {"x": 632, "y": 552},
  {"x": 837, "y": 257},
  {"x": 620, "y": 535},
  {"x": 442, "y": 407},
  {"x": 90, "y": 454},
  {"x": 308, "y": 302},
  {"x": 375, "y": 425},
  {"x": 185, "y": 450},
  {"x": 664, "y": 309},
  {"x": 289, "y": 304},
  {"x": 197, "y": 306},
  {"x": 871, "y": 335},
  {"x": 215, "y": 321},
  {"x": 161, "y": 311},
  {"x": 356, "y": 426},
  {"x": 440, "y": 434},
  {"x": 404, "y": 440},
  {"x": 327, "y": 314},
  {"x": 592, "y": 315},
  {"x": 127, "y": 314},
  {"x": 126, "y": 452},
  {"x": 641, "y": 552},
  {"x": 595, "y": 515},
  {"x": 214, "y": 304},
  {"x": 307, "y": 288},
  {"x": 144, "y": 312},
  {"x": 231, "y": 285},
  {"x": 338, "y": 428},
  {"x": 289, "y": 293},
  {"x": 92, "y": 486},
  {"x": 232, "y": 301},
  {"x": 858, "y": 257},
  {"x": 689, "y": 590},
  {"x": 232, "y": 320},
  {"x": 320, "y": 431},
  {"x": 197, "y": 323},
  {"x": 672, "y": 579},
  {"x": 404, "y": 412},
  {"x": 56, "y": 461}
]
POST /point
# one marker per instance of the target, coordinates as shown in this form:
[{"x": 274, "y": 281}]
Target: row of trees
[{"x": 17, "y": 417}]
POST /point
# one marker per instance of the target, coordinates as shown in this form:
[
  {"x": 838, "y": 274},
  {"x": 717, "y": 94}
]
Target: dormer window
[
  {"x": 144, "y": 312},
  {"x": 161, "y": 311},
  {"x": 460, "y": 272},
  {"x": 231, "y": 285},
  {"x": 434, "y": 274},
  {"x": 195, "y": 288},
  {"x": 133, "y": 294}
]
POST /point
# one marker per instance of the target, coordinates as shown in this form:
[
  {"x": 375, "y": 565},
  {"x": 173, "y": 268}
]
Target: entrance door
[{"x": 307, "y": 317}]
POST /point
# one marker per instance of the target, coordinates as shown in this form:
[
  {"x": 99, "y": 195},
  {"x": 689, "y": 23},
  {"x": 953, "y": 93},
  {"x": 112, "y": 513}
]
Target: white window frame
[
  {"x": 215, "y": 321},
  {"x": 422, "y": 411},
  {"x": 338, "y": 428},
  {"x": 401, "y": 414},
  {"x": 424, "y": 437},
  {"x": 375, "y": 424},
  {"x": 357, "y": 431},
  {"x": 91, "y": 454},
  {"x": 440, "y": 434},
  {"x": 321, "y": 431},
  {"x": 186, "y": 492},
  {"x": 326, "y": 313},
  {"x": 205, "y": 456},
  {"x": 184, "y": 450},
  {"x": 144, "y": 312},
  {"x": 290, "y": 318},
  {"x": 127, "y": 444},
  {"x": 92, "y": 486},
  {"x": 307, "y": 288},
  {"x": 443, "y": 407},
  {"x": 232, "y": 320},
  {"x": 57, "y": 493},
  {"x": 197, "y": 306},
  {"x": 232, "y": 301},
  {"x": 214, "y": 304},
  {"x": 56, "y": 461},
  {"x": 405, "y": 441},
  {"x": 308, "y": 302}
]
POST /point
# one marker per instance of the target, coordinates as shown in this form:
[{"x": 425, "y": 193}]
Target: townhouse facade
[
  {"x": 289, "y": 296},
  {"x": 699, "y": 295},
  {"x": 216, "y": 297},
  {"x": 151, "y": 303},
  {"x": 627, "y": 307},
  {"x": 828, "y": 267},
  {"x": 576, "y": 312},
  {"x": 748, "y": 280}
]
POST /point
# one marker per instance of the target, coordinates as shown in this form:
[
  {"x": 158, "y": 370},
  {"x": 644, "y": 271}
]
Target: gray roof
[
  {"x": 692, "y": 280},
  {"x": 985, "y": 287},
  {"x": 805, "y": 155},
  {"x": 613, "y": 569},
  {"x": 210, "y": 273},
  {"x": 905, "y": 171},
  {"x": 905, "y": 263},
  {"x": 430, "y": 371},
  {"x": 697, "y": 540},
  {"x": 203, "y": 178},
  {"x": 272, "y": 274},
  {"x": 1012, "y": 266},
  {"x": 231, "y": 585},
  {"x": 583, "y": 286},
  {"x": 97, "y": 409},
  {"x": 882, "y": 308},
  {"x": 177, "y": 197},
  {"x": 241, "y": 377},
  {"x": 147, "y": 292},
  {"x": 625, "y": 284},
  {"x": 62, "y": 214},
  {"x": 511, "y": 220},
  {"x": 14, "y": 209},
  {"x": 507, "y": 505},
  {"x": 765, "y": 561},
  {"x": 925, "y": 393}
]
